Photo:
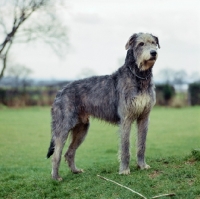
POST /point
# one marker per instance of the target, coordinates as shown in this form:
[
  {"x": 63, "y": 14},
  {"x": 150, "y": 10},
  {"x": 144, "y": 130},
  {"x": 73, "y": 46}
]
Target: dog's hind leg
[
  {"x": 79, "y": 133},
  {"x": 60, "y": 133},
  {"x": 124, "y": 147},
  {"x": 59, "y": 144},
  {"x": 142, "y": 125}
]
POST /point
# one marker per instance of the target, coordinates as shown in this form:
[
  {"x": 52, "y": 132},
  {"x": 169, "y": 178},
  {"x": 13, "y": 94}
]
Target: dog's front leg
[
  {"x": 142, "y": 125},
  {"x": 124, "y": 152}
]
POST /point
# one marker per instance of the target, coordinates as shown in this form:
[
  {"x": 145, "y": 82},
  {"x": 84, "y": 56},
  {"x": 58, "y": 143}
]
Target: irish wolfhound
[{"x": 120, "y": 98}]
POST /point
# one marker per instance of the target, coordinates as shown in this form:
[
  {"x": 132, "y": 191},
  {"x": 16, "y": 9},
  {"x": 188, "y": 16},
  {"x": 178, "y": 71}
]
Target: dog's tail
[
  {"x": 51, "y": 149},
  {"x": 56, "y": 125}
]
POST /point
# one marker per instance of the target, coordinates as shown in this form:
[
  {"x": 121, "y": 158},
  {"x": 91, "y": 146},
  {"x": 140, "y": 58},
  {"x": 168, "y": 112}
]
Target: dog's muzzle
[{"x": 153, "y": 54}]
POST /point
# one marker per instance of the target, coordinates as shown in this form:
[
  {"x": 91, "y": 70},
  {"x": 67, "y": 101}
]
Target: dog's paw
[
  {"x": 76, "y": 171},
  {"x": 145, "y": 166},
  {"x": 58, "y": 178},
  {"x": 125, "y": 172}
]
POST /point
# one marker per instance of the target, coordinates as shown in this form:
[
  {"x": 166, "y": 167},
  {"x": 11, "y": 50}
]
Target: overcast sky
[{"x": 99, "y": 29}]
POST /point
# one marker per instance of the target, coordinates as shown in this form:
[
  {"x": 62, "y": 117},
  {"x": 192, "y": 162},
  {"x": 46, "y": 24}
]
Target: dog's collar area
[{"x": 143, "y": 78}]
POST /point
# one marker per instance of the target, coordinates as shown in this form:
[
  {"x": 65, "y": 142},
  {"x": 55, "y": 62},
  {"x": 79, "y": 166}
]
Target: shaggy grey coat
[{"x": 120, "y": 98}]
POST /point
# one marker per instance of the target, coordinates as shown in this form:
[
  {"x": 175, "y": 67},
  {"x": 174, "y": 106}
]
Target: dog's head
[{"x": 144, "y": 47}]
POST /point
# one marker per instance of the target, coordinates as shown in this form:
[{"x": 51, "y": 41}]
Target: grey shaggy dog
[{"x": 120, "y": 98}]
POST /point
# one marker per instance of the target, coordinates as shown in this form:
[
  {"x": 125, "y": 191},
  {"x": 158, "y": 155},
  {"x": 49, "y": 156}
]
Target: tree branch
[
  {"x": 49, "y": 30},
  {"x": 5, "y": 60},
  {"x": 19, "y": 20}
]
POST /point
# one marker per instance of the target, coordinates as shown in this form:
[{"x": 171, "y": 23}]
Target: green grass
[{"x": 25, "y": 173}]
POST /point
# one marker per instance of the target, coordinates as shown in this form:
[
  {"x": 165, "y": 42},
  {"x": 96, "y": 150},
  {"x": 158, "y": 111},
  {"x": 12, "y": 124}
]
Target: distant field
[{"x": 25, "y": 173}]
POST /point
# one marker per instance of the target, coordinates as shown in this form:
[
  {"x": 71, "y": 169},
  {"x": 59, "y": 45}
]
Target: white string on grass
[
  {"x": 122, "y": 186},
  {"x": 159, "y": 196}
]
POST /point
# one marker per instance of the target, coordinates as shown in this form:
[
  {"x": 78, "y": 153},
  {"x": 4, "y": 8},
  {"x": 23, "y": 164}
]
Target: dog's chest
[{"x": 140, "y": 103}]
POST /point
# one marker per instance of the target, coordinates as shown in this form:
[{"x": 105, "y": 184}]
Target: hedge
[{"x": 194, "y": 92}]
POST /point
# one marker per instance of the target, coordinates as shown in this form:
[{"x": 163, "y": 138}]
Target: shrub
[
  {"x": 194, "y": 92},
  {"x": 164, "y": 94}
]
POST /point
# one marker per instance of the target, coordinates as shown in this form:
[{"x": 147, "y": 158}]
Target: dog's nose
[{"x": 153, "y": 53}]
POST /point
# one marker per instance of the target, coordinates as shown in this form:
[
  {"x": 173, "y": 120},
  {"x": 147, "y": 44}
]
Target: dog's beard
[{"x": 145, "y": 65}]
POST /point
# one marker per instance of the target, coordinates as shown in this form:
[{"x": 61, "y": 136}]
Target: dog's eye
[
  {"x": 141, "y": 43},
  {"x": 153, "y": 42}
]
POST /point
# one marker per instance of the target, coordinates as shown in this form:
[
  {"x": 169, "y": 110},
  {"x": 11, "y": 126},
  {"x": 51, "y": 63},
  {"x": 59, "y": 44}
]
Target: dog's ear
[
  {"x": 129, "y": 56},
  {"x": 131, "y": 41},
  {"x": 157, "y": 41}
]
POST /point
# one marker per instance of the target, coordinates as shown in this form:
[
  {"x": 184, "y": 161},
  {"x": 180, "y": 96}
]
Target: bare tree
[
  {"x": 180, "y": 77},
  {"x": 19, "y": 74},
  {"x": 167, "y": 75},
  {"x": 171, "y": 76},
  {"x": 29, "y": 20}
]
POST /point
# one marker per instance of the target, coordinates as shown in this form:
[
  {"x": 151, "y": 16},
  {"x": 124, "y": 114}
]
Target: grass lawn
[{"x": 25, "y": 173}]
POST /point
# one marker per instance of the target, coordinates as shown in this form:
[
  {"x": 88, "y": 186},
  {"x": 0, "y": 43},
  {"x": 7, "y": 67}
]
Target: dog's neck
[{"x": 142, "y": 77}]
